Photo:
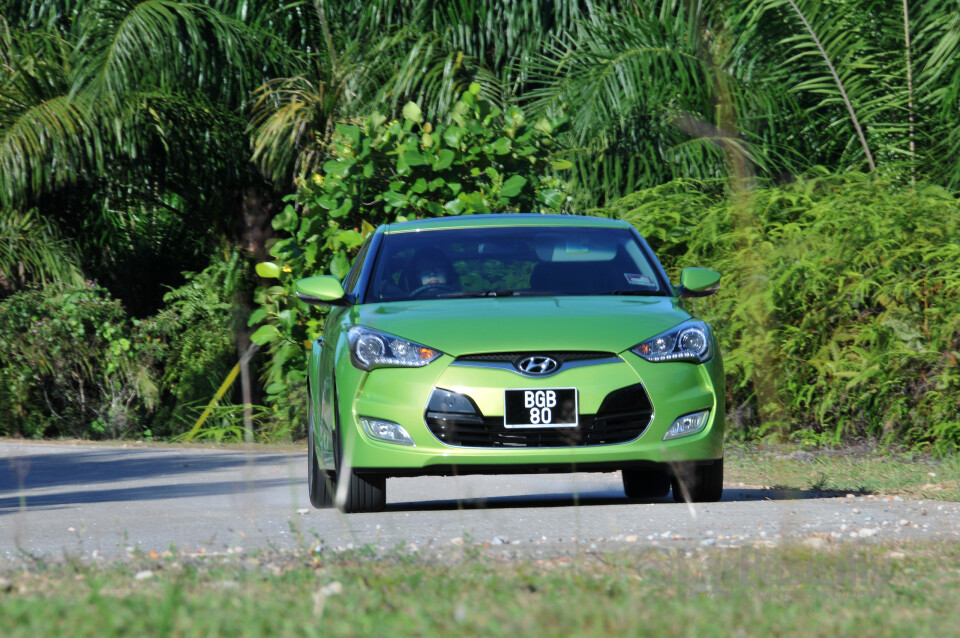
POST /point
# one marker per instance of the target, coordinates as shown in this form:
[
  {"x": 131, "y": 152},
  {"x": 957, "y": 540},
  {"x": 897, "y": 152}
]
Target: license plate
[{"x": 540, "y": 408}]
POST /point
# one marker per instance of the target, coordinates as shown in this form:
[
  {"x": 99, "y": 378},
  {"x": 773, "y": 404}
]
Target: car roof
[{"x": 503, "y": 220}]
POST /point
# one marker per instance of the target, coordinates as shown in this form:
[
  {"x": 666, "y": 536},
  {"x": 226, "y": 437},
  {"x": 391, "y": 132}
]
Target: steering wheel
[{"x": 434, "y": 288}]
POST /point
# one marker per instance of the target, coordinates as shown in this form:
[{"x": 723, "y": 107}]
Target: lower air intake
[{"x": 623, "y": 416}]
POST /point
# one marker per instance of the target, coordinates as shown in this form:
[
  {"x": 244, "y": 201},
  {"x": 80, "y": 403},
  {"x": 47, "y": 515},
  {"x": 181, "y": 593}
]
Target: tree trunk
[{"x": 258, "y": 204}]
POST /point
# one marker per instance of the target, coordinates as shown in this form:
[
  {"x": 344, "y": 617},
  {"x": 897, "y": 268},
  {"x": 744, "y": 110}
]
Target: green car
[{"x": 500, "y": 344}]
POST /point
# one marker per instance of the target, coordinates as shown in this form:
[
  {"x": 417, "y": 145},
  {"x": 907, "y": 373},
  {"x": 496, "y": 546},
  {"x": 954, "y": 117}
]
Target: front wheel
[
  {"x": 319, "y": 483},
  {"x": 356, "y": 493},
  {"x": 698, "y": 483}
]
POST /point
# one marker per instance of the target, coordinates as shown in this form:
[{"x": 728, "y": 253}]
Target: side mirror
[
  {"x": 698, "y": 282},
  {"x": 325, "y": 290}
]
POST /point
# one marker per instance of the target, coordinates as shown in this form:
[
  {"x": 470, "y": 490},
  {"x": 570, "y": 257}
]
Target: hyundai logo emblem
[{"x": 537, "y": 365}]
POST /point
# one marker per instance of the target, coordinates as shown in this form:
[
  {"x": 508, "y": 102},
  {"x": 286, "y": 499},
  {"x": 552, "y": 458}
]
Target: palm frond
[
  {"x": 629, "y": 82},
  {"x": 45, "y": 145},
  {"x": 288, "y": 125},
  {"x": 846, "y": 62},
  {"x": 42, "y": 15},
  {"x": 937, "y": 55},
  {"x": 126, "y": 43},
  {"x": 32, "y": 251},
  {"x": 432, "y": 72}
]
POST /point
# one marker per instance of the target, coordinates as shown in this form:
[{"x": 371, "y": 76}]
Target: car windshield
[{"x": 521, "y": 261}]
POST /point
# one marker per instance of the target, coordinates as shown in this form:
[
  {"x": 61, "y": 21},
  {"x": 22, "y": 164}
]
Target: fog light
[
  {"x": 386, "y": 431},
  {"x": 687, "y": 425}
]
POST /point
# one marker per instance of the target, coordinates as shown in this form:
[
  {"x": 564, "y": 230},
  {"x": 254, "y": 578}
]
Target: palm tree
[
  {"x": 124, "y": 123},
  {"x": 932, "y": 56},
  {"x": 672, "y": 89},
  {"x": 878, "y": 80},
  {"x": 45, "y": 136},
  {"x": 369, "y": 55}
]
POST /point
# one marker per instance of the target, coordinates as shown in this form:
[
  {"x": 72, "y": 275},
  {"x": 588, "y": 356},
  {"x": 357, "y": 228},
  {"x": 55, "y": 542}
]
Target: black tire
[
  {"x": 365, "y": 493},
  {"x": 698, "y": 483},
  {"x": 362, "y": 492},
  {"x": 319, "y": 484},
  {"x": 646, "y": 483}
]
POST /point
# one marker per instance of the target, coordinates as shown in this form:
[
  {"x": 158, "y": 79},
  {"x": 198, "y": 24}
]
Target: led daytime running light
[
  {"x": 690, "y": 341},
  {"x": 371, "y": 349}
]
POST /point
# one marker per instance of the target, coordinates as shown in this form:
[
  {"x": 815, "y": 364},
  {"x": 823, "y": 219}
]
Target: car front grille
[
  {"x": 623, "y": 416},
  {"x": 560, "y": 355}
]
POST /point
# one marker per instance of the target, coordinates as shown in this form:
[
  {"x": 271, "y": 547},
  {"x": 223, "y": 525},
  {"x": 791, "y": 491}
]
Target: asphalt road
[{"x": 62, "y": 501}]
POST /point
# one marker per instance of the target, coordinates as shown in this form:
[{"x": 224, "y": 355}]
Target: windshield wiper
[
  {"x": 478, "y": 293},
  {"x": 641, "y": 293}
]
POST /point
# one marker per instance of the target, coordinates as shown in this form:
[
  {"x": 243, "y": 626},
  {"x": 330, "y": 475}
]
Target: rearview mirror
[
  {"x": 325, "y": 290},
  {"x": 698, "y": 282}
]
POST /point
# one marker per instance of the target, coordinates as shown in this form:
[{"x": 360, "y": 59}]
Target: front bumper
[{"x": 401, "y": 395}]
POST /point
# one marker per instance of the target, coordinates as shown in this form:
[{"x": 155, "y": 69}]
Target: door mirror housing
[
  {"x": 698, "y": 282},
  {"x": 324, "y": 290}
]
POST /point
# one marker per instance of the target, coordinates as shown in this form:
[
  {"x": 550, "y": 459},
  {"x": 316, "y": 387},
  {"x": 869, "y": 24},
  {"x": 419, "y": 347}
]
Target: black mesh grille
[
  {"x": 623, "y": 416},
  {"x": 511, "y": 357}
]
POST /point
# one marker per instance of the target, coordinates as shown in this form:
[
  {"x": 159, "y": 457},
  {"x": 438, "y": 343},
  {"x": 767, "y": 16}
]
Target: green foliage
[
  {"x": 72, "y": 364},
  {"x": 127, "y": 126},
  {"x": 674, "y": 89},
  {"x": 135, "y": 154},
  {"x": 201, "y": 322},
  {"x": 479, "y": 160},
  {"x": 224, "y": 423},
  {"x": 631, "y": 129},
  {"x": 839, "y": 311},
  {"x": 32, "y": 251}
]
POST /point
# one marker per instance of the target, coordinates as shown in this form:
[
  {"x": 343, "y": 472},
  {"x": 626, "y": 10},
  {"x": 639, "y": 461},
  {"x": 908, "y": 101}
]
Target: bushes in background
[
  {"x": 73, "y": 364},
  {"x": 839, "y": 309},
  {"x": 202, "y": 318}
]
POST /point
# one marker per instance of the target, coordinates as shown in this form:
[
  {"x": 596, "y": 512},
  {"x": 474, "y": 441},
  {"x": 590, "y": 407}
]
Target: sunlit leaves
[
  {"x": 841, "y": 304},
  {"x": 479, "y": 160}
]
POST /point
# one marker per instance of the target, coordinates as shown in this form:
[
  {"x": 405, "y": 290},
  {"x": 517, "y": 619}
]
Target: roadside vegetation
[
  {"x": 855, "y": 588},
  {"x": 167, "y": 169},
  {"x": 839, "y": 309},
  {"x": 843, "y": 471}
]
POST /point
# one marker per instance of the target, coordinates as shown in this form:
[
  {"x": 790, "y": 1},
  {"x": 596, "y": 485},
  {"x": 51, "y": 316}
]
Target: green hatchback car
[{"x": 501, "y": 344}]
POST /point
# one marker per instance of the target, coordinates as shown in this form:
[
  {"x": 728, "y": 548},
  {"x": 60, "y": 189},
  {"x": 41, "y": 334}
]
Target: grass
[
  {"x": 867, "y": 589},
  {"x": 847, "y": 471}
]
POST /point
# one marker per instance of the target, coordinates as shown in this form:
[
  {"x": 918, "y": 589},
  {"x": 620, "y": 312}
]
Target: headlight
[
  {"x": 690, "y": 341},
  {"x": 371, "y": 349}
]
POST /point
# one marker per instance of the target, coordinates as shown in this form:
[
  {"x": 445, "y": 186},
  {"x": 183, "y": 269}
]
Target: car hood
[{"x": 511, "y": 324}]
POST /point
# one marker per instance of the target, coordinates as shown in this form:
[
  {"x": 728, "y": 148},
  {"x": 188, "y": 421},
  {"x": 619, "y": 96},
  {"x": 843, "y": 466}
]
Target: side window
[{"x": 354, "y": 274}]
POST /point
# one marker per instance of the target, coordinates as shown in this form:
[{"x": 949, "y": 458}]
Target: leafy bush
[
  {"x": 73, "y": 364},
  {"x": 479, "y": 161},
  {"x": 201, "y": 319},
  {"x": 839, "y": 313}
]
